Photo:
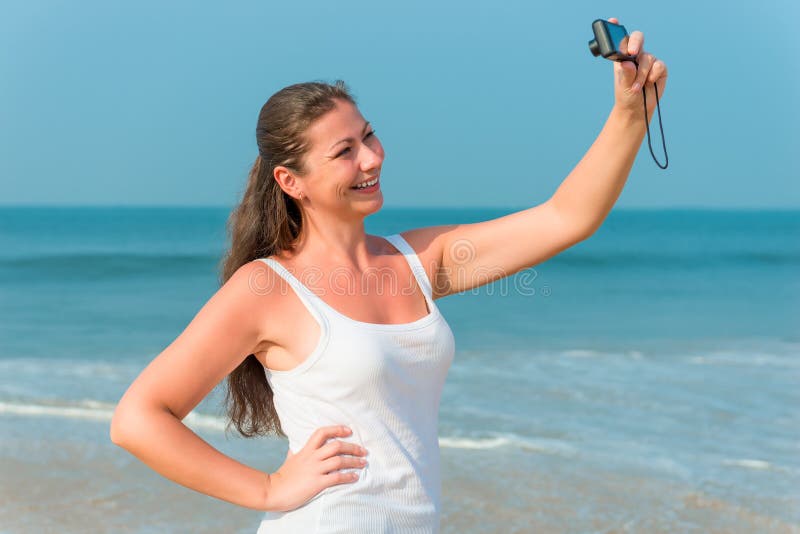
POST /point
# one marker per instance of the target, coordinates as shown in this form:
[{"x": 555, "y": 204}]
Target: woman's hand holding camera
[{"x": 628, "y": 80}]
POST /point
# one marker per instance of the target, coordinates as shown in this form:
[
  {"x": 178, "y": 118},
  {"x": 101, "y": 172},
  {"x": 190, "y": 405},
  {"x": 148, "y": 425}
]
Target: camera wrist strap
[{"x": 660, "y": 126}]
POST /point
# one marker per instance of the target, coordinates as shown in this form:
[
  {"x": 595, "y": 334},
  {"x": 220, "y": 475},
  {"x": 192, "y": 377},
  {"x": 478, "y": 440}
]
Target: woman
[{"x": 330, "y": 336}]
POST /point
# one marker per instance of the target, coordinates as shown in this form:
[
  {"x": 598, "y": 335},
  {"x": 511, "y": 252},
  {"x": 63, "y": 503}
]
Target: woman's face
[{"x": 343, "y": 152}]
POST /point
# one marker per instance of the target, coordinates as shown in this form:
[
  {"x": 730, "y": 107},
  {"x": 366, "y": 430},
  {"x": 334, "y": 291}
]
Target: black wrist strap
[{"x": 660, "y": 126}]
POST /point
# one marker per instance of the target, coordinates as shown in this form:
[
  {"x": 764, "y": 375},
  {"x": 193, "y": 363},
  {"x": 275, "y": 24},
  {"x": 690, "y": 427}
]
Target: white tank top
[{"x": 384, "y": 381}]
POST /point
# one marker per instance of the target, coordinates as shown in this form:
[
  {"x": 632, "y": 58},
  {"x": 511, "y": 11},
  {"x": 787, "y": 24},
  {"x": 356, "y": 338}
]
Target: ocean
[{"x": 644, "y": 380}]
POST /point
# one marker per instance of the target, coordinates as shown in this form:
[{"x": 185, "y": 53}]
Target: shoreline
[{"x": 78, "y": 481}]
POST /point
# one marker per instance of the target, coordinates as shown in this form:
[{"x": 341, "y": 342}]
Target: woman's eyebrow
[{"x": 366, "y": 124}]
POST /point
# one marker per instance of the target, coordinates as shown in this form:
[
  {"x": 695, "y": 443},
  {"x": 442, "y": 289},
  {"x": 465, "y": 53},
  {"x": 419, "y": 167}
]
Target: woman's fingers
[
  {"x": 643, "y": 72},
  {"x": 659, "y": 70},
  {"x": 630, "y": 77},
  {"x": 323, "y": 434},
  {"x": 335, "y": 447},
  {"x": 335, "y": 463},
  {"x": 651, "y": 69},
  {"x": 338, "y": 477},
  {"x": 635, "y": 43}
]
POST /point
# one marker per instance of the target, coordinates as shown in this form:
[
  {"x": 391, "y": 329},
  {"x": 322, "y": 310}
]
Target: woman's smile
[{"x": 368, "y": 186}]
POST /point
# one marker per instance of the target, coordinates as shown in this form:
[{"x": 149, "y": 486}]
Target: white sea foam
[
  {"x": 92, "y": 410},
  {"x": 468, "y": 443},
  {"x": 581, "y": 353},
  {"x": 748, "y": 463},
  {"x": 95, "y": 413},
  {"x": 635, "y": 354},
  {"x": 209, "y": 422},
  {"x": 70, "y": 367},
  {"x": 746, "y": 359},
  {"x": 539, "y": 445}
]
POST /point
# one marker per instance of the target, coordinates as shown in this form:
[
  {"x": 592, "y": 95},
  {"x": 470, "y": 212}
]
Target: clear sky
[{"x": 477, "y": 103}]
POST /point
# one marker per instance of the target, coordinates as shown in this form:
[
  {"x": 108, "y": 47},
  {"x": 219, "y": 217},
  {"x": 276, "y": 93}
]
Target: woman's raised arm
[{"x": 465, "y": 256}]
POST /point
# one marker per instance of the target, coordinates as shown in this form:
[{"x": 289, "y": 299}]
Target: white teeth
[{"x": 367, "y": 184}]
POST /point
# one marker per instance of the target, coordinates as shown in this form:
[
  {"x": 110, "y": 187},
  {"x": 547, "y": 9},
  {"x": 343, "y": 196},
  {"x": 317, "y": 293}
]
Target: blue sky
[{"x": 476, "y": 103}]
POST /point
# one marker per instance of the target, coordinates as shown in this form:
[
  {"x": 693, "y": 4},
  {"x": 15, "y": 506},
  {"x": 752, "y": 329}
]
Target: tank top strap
[
  {"x": 306, "y": 296},
  {"x": 413, "y": 261}
]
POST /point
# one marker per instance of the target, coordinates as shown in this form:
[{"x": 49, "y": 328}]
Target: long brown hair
[{"x": 268, "y": 221}]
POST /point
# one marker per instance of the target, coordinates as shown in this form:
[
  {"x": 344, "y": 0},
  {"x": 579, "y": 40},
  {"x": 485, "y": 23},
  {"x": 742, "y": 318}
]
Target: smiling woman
[
  {"x": 331, "y": 374},
  {"x": 346, "y": 371}
]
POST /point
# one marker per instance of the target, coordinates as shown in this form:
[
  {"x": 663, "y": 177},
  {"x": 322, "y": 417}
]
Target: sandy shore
[{"x": 66, "y": 476}]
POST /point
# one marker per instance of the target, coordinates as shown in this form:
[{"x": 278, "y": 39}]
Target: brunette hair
[{"x": 267, "y": 221}]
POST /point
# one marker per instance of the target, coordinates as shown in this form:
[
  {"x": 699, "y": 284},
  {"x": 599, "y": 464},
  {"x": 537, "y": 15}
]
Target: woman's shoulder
[
  {"x": 426, "y": 244},
  {"x": 258, "y": 291},
  {"x": 257, "y": 279}
]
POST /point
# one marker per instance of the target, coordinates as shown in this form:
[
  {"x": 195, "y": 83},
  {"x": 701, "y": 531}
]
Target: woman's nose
[{"x": 371, "y": 158}]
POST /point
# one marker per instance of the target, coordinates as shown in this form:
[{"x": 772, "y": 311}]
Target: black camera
[{"x": 609, "y": 41}]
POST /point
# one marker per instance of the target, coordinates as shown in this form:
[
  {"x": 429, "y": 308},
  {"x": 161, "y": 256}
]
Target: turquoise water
[{"x": 665, "y": 347}]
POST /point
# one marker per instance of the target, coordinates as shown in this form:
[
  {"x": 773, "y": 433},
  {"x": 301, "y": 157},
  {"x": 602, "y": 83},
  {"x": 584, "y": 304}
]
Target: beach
[
  {"x": 80, "y": 482},
  {"x": 644, "y": 381}
]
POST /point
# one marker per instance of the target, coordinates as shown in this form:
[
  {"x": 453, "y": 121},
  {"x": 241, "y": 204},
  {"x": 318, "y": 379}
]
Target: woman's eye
[{"x": 344, "y": 150}]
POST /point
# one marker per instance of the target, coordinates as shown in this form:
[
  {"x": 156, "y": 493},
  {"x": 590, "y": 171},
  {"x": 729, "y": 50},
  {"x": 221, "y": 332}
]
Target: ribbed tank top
[{"x": 384, "y": 381}]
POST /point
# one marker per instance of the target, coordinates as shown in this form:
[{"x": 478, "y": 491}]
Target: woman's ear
[{"x": 287, "y": 181}]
